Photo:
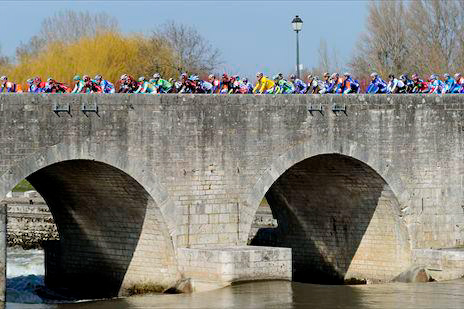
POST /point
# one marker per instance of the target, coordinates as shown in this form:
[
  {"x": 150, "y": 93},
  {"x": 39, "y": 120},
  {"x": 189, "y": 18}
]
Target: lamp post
[{"x": 297, "y": 24}]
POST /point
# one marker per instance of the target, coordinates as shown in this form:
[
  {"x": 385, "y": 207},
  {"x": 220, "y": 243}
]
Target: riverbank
[{"x": 30, "y": 222}]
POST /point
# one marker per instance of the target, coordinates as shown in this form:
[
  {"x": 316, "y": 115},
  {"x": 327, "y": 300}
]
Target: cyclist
[
  {"x": 106, "y": 86},
  {"x": 53, "y": 86},
  {"x": 7, "y": 86},
  {"x": 436, "y": 85},
  {"x": 215, "y": 82},
  {"x": 263, "y": 85},
  {"x": 460, "y": 81},
  {"x": 377, "y": 84},
  {"x": 419, "y": 85},
  {"x": 395, "y": 85},
  {"x": 79, "y": 86},
  {"x": 281, "y": 86},
  {"x": 321, "y": 86},
  {"x": 450, "y": 84},
  {"x": 407, "y": 82},
  {"x": 349, "y": 85},
  {"x": 248, "y": 85},
  {"x": 145, "y": 86},
  {"x": 203, "y": 86},
  {"x": 162, "y": 85},
  {"x": 299, "y": 86}
]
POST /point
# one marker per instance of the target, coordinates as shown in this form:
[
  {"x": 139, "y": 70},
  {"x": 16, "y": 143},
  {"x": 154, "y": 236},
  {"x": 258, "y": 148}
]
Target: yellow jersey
[{"x": 263, "y": 85}]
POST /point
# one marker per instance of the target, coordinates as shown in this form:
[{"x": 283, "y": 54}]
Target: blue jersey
[
  {"x": 378, "y": 85},
  {"x": 107, "y": 87},
  {"x": 451, "y": 86},
  {"x": 300, "y": 86},
  {"x": 436, "y": 86}
]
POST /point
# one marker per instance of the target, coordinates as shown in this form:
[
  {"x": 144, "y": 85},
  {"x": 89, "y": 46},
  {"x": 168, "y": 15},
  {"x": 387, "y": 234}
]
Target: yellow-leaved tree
[{"x": 109, "y": 54}]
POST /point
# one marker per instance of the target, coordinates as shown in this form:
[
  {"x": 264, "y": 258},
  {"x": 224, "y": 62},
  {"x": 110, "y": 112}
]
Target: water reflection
[{"x": 278, "y": 294}]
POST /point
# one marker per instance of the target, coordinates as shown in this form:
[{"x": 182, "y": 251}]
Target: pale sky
[{"x": 252, "y": 35}]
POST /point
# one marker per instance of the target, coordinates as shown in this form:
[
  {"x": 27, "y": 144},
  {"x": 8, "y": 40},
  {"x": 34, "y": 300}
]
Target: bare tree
[
  {"x": 435, "y": 27},
  {"x": 323, "y": 53},
  {"x": 67, "y": 26},
  {"x": 4, "y": 61},
  {"x": 425, "y": 36},
  {"x": 383, "y": 47},
  {"x": 193, "y": 52}
]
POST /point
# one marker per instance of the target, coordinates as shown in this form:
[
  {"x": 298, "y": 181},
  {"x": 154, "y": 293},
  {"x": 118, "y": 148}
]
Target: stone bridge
[{"x": 149, "y": 190}]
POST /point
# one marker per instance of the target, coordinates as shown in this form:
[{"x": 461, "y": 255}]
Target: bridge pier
[{"x": 210, "y": 268}]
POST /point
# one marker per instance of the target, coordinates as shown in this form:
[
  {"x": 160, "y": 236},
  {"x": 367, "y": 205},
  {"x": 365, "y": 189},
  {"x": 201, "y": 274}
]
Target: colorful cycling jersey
[
  {"x": 436, "y": 86},
  {"x": 420, "y": 86},
  {"x": 204, "y": 86},
  {"x": 107, "y": 87},
  {"x": 283, "y": 87},
  {"x": 163, "y": 86},
  {"x": 78, "y": 87},
  {"x": 8, "y": 87},
  {"x": 396, "y": 85},
  {"x": 378, "y": 85},
  {"x": 350, "y": 85},
  {"x": 146, "y": 87},
  {"x": 451, "y": 86},
  {"x": 263, "y": 85},
  {"x": 300, "y": 86}
]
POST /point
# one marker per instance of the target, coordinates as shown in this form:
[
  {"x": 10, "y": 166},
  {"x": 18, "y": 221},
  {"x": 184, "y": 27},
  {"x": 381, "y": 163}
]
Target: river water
[{"x": 269, "y": 294}]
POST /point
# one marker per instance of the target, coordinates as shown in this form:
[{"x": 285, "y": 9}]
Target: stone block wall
[{"x": 207, "y": 161}]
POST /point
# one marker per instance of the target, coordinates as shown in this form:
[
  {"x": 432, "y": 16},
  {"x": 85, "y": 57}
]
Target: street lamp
[{"x": 297, "y": 24}]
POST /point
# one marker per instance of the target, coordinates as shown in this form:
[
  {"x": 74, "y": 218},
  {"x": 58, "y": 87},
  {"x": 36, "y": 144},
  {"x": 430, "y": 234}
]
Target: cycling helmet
[
  {"x": 310, "y": 76},
  {"x": 334, "y": 75},
  {"x": 414, "y": 76},
  {"x": 123, "y": 77},
  {"x": 30, "y": 81},
  {"x": 446, "y": 75},
  {"x": 281, "y": 76},
  {"x": 433, "y": 77},
  {"x": 326, "y": 74},
  {"x": 77, "y": 77},
  {"x": 172, "y": 80},
  {"x": 98, "y": 77},
  {"x": 194, "y": 77},
  {"x": 156, "y": 76},
  {"x": 141, "y": 78},
  {"x": 374, "y": 74},
  {"x": 86, "y": 78},
  {"x": 152, "y": 81},
  {"x": 292, "y": 77},
  {"x": 259, "y": 74},
  {"x": 457, "y": 75},
  {"x": 276, "y": 77},
  {"x": 211, "y": 76},
  {"x": 245, "y": 80},
  {"x": 347, "y": 74},
  {"x": 391, "y": 76},
  {"x": 49, "y": 79},
  {"x": 3, "y": 78},
  {"x": 404, "y": 77}
]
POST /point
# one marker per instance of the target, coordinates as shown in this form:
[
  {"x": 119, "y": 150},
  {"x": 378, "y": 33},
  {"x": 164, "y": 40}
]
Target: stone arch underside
[
  {"x": 341, "y": 219},
  {"x": 112, "y": 233}
]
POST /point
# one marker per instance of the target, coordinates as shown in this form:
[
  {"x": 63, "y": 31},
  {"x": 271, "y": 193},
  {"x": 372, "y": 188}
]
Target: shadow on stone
[
  {"x": 99, "y": 212},
  {"x": 324, "y": 206}
]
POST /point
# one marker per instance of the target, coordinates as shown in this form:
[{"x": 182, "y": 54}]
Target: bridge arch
[
  {"x": 115, "y": 232},
  {"x": 338, "y": 209}
]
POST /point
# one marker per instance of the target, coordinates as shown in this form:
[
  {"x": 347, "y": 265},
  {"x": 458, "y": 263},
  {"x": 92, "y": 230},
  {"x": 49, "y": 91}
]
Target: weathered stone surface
[
  {"x": 30, "y": 222},
  {"x": 206, "y": 162}
]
